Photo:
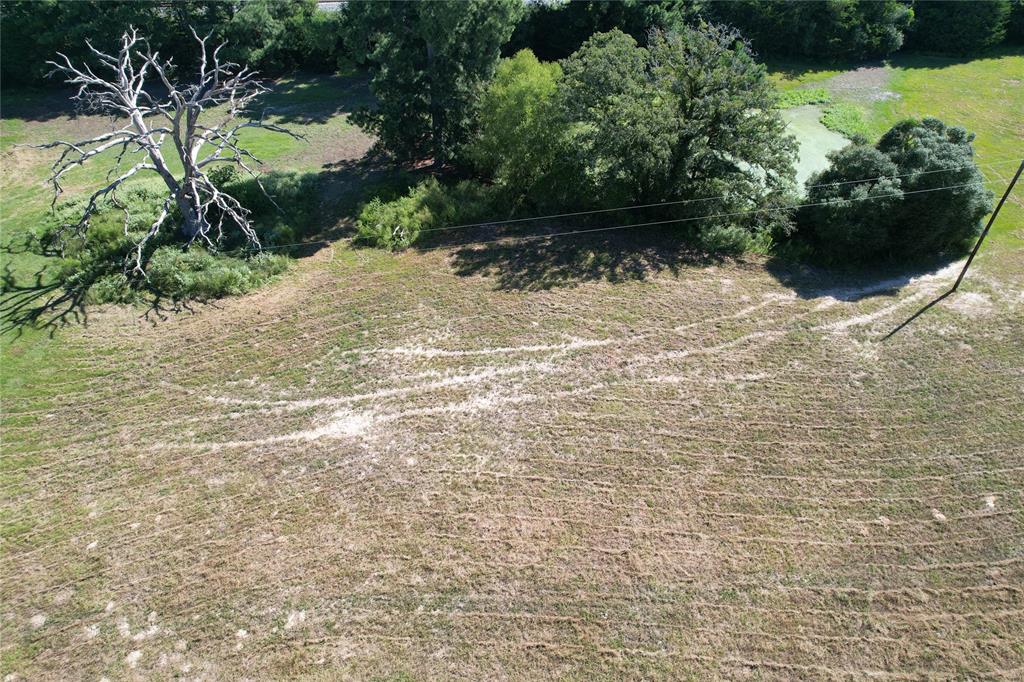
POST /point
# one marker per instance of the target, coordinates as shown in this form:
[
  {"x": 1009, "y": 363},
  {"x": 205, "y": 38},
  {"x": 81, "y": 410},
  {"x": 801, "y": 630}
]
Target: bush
[
  {"x": 97, "y": 265},
  {"x": 397, "y": 224},
  {"x": 802, "y": 96},
  {"x": 197, "y": 273},
  {"x": 874, "y": 203},
  {"x": 113, "y": 288},
  {"x": 295, "y": 215}
]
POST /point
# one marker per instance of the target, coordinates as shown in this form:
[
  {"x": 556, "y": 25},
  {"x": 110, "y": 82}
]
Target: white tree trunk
[{"x": 151, "y": 122}]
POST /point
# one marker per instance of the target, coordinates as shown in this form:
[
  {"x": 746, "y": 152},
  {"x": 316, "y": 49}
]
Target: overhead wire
[
  {"x": 632, "y": 207},
  {"x": 503, "y": 222},
  {"x": 692, "y": 218}
]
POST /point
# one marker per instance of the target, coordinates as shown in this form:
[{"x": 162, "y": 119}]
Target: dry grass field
[{"x": 539, "y": 461}]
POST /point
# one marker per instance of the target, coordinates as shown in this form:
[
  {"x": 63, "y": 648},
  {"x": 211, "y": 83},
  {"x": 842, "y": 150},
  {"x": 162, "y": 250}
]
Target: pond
[{"x": 816, "y": 141}]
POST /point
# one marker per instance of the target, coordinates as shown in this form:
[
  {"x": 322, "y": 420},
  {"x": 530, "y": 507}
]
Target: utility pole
[
  {"x": 984, "y": 233},
  {"x": 970, "y": 258}
]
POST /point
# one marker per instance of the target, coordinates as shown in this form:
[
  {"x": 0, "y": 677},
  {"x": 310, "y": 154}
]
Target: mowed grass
[{"x": 587, "y": 459}]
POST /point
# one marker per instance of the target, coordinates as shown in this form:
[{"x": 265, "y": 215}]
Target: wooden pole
[{"x": 984, "y": 233}]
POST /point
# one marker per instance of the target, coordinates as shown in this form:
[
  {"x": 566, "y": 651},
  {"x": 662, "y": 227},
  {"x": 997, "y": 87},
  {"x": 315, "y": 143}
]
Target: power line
[
  {"x": 633, "y": 207},
  {"x": 970, "y": 258},
  {"x": 669, "y": 203},
  {"x": 695, "y": 218}
]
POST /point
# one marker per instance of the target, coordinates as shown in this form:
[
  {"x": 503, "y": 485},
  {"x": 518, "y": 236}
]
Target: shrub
[
  {"x": 113, "y": 288},
  {"x": 874, "y": 202},
  {"x": 398, "y": 223},
  {"x": 287, "y": 216},
  {"x": 802, "y": 96},
  {"x": 97, "y": 265},
  {"x": 197, "y": 273},
  {"x": 726, "y": 239}
]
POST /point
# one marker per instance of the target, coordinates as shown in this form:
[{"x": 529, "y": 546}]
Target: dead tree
[{"x": 201, "y": 122}]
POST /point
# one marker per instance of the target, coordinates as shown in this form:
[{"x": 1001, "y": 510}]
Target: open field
[{"x": 587, "y": 459}]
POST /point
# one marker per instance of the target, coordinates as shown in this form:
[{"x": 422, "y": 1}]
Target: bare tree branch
[{"x": 151, "y": 120}]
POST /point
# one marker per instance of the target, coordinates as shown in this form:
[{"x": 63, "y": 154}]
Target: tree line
[
  {"x": 278, "y": 36},
  {"x": 677, "y": 123},
  {"x": 683, "y": 128}
]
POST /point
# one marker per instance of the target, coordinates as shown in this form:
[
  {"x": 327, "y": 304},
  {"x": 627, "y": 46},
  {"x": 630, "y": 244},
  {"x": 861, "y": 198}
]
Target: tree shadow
[
  {"x": 850, "y": 284},
  {"x": 39, "y": 305},
  {"x": 347, "y": 184},
  {"x": 315, "y": 98},
  {"x": 566, "y": 261},
  {"x": 39, "y": 104}
]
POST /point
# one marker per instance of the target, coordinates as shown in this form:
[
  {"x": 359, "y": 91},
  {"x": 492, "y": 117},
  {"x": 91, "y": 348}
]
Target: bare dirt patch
[{"x": 866, "y": 84}]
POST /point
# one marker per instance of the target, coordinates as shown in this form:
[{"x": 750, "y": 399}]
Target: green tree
[
  {"x": 959, "y": 27},
  {"x": 1015, "y": 25},
  {"x": 846, "y": 218},
  {"x": 276, "y": 36},
  {"x": 33, "y": 32},
  {"x": 692, "y": 116},
  {"x": 554, "y": 30},
  {"x": 931, "y": 155},
  {"x": 429, "y": 61},
  {"x": 917, "y": 193},
  {"x": 521, "y": 140},
  {"x": 821, "y": 29}
]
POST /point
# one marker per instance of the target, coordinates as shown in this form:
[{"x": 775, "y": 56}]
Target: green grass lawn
[{"x": 984, "y": 95}]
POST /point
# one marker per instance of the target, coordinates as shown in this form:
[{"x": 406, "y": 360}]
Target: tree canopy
[
  {"x": 905, "y": 219},
  {"x": 959, "y": 27},
  {"x": 554, "y": 30},
  {"x": 690, "y": 115},
  {"x": 832, "y": 29},
  {"x": 429, "y": 61},
  {"x": 269, "y": 35}
]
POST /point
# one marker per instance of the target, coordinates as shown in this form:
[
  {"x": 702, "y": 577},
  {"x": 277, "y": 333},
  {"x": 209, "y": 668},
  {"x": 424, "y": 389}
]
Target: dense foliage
[
  {"x": 1015, "y": 25},
  {"x": 523, "y": 138},
  {"x": 674, "y": 121},
  {"x": 277, "y": 36},
  {"x": 689, "y": 120},
  {"x": 269, "y": 35},
  {"x": 428, "y": 61},
  {"x": 427, "y": 207},
  {"x": 554, "y": 30},
  {"x": 833, "y": 29},
  {"x": 94, "y": 265},
  {"x": 904, "y": 219},
  {"x": 959, "y": 27}
]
